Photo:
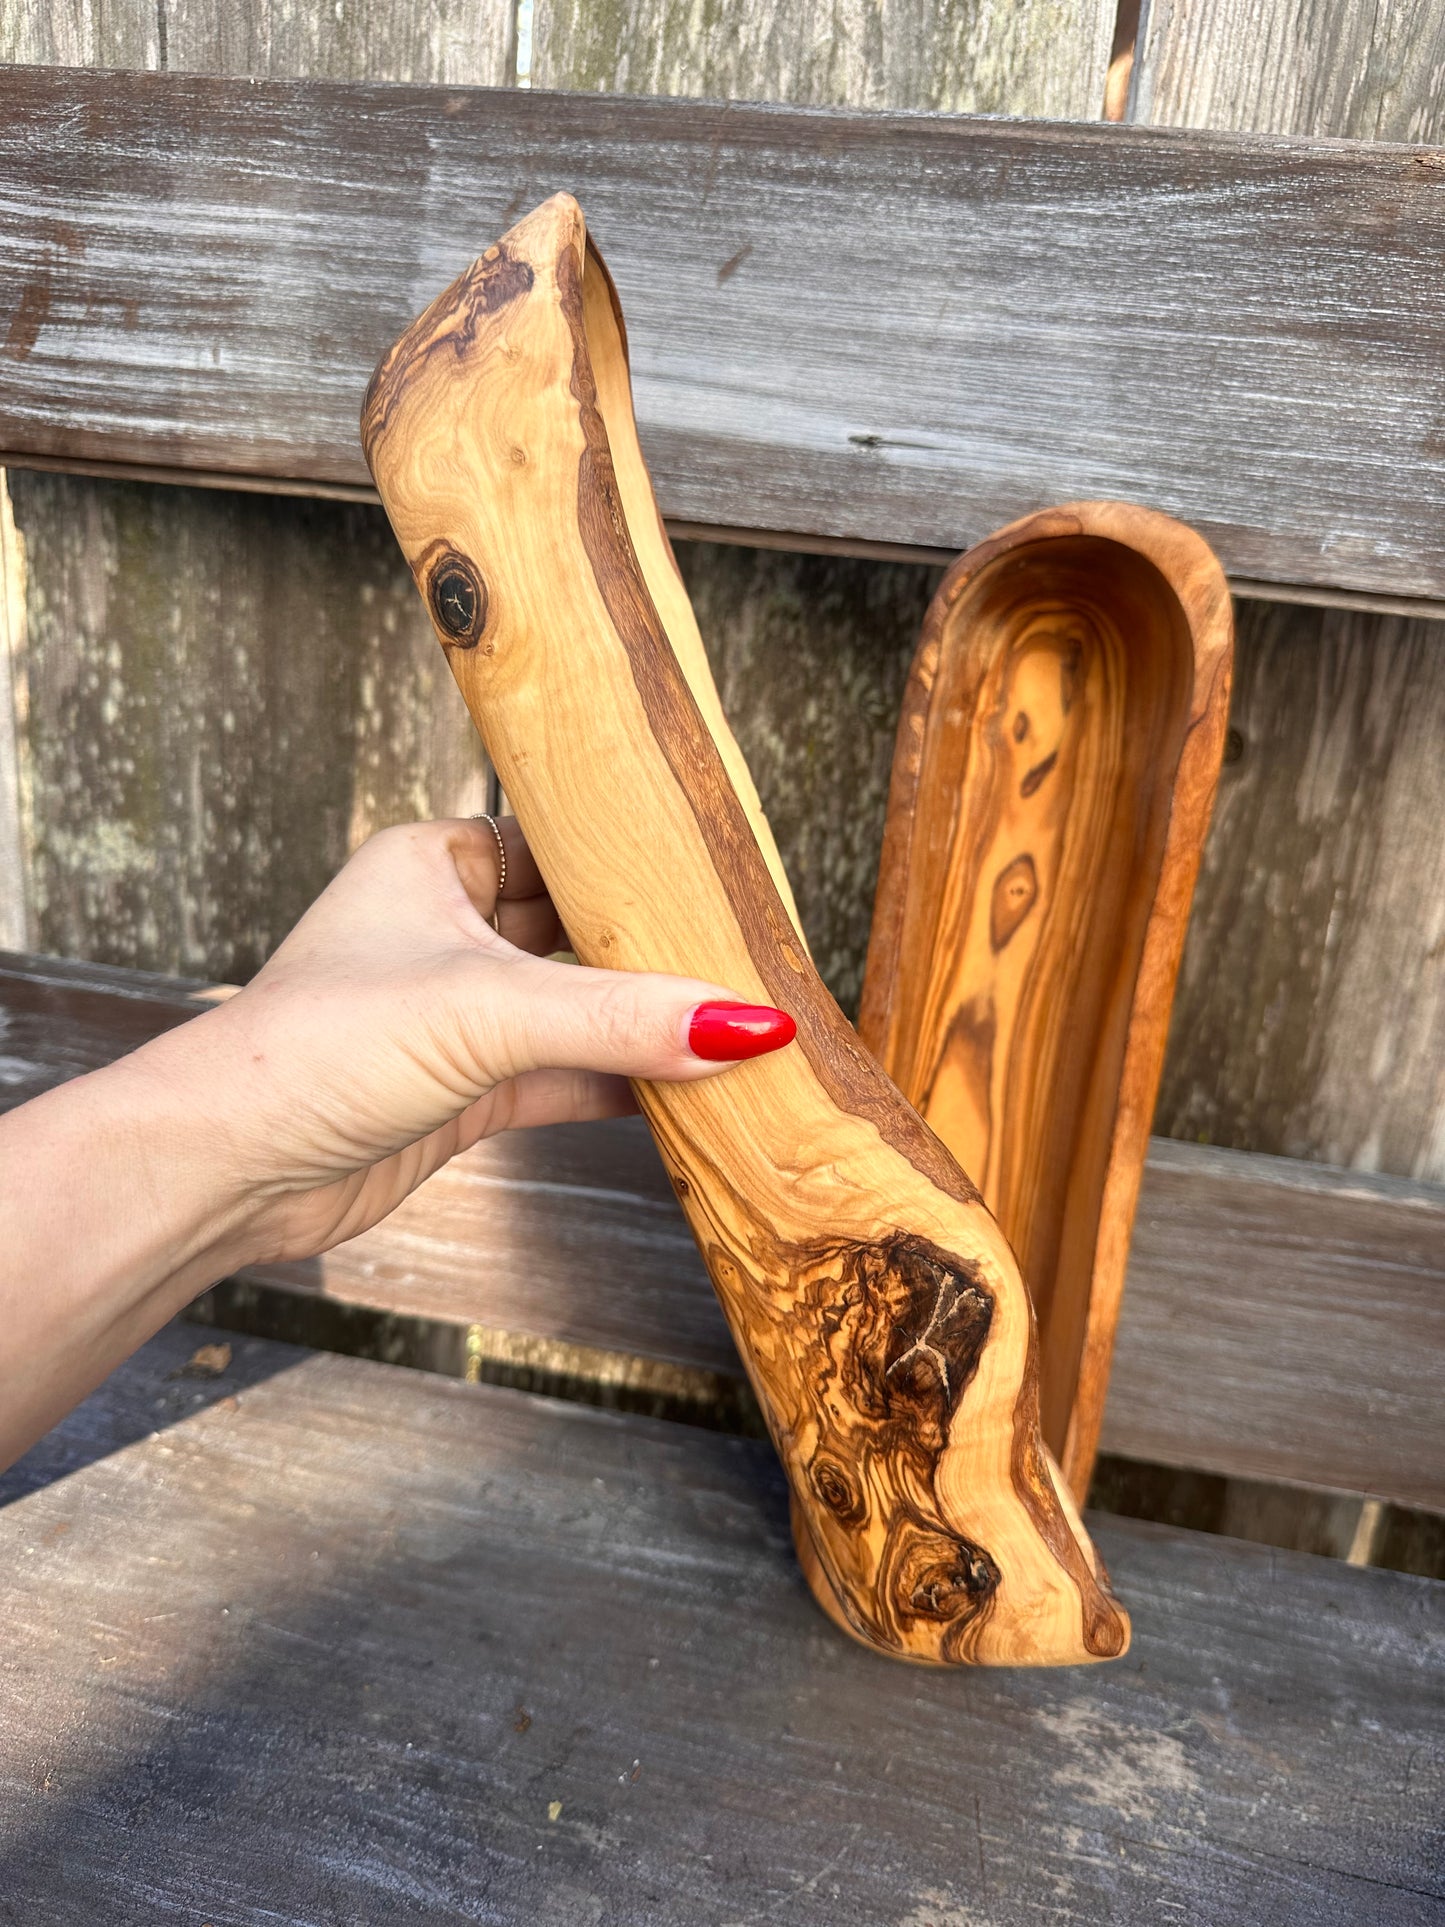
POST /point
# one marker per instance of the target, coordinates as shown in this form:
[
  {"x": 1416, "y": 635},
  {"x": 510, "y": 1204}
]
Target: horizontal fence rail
[
  {"x": 869, "y": 329},
  {"x": 1282, "y": 1320}
]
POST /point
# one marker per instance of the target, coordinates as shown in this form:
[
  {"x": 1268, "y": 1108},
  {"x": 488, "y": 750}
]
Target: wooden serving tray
[{"x": 1055, "y": 770}]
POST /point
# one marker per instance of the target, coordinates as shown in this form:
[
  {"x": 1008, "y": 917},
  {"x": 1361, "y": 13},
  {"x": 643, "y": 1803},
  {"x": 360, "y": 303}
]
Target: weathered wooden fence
[{"x": 212, "y": 695}]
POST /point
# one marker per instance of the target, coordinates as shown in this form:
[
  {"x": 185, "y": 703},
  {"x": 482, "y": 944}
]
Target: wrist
[
  {"x": 117, "y": 1212},
  {"x": 173, "y": 1159}
]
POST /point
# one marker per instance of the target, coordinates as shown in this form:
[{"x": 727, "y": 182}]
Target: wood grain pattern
[
  {"x": 1233, "y": 290},
  {"x": 454, "y": 42},
  {"x": 223, "y": 700},
  {"x": 1056, "y": 763},
  {"x": 1282, "y": 1321},
  {"x": 878, "y": 1309},
  {"x": 1040, "y": 57},
  {"x": 1312, "y": 1004},
  {"x": 323, "y": 1640},
  {"x": 1372, "y": 72}
]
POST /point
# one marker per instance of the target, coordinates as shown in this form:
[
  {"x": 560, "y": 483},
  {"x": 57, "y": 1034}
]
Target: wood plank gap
[
  {"x": 175, "y": 476},
  {"x": 789, "y": 541},
  {"x": 1286, "y": 1513},
  {"x": 485, "y": 1354},
  {"x": 1319, "y": 596}
]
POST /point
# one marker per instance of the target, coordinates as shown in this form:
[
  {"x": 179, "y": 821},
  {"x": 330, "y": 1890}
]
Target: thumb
[{"x": 547, "y": 1015}]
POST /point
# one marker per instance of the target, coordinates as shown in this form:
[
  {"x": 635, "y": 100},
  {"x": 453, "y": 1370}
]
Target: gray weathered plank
[
  {"x": 892, "y": 327},
  {"x": 132, "y": 869},
  {"x": 350, "y": 1643},
  {"x": 1282, "y": 1321},
  {"x": 1043, "y": 58},
  {"x": 455, "y": 42},
  {"x": 1373, "y": 72},
  {"x": 810, "y": 654},
  {"x": 1310, "y": 1015},
  {"x": 222, "y": 703}
]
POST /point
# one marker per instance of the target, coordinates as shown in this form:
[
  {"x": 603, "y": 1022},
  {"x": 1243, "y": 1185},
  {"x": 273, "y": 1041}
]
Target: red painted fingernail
[{"x": 726, "y": 1033}]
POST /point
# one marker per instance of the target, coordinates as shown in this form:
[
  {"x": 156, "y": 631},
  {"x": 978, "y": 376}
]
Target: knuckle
[{"x": 616, "y": 1017}]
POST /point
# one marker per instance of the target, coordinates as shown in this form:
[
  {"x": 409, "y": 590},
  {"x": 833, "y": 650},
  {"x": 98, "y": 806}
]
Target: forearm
[
  {"x": 115, "y": 1213},
  {"x": 394, "y": 1027}
]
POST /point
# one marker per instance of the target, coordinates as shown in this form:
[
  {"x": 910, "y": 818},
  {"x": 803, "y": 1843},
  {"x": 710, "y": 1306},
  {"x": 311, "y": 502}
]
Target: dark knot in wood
[
  {"x": 458, "y": 598},
  {"x": 894, "y": 1332},
  {"x": 1015, "y": 892},
  {"x": 941, "y": 1577}
]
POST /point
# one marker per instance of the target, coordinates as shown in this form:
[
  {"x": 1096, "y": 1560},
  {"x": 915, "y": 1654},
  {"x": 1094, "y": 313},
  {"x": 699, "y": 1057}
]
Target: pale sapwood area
[
  {"x": 878, "y": 1308},
  {"x": 1056, "y": 764}
]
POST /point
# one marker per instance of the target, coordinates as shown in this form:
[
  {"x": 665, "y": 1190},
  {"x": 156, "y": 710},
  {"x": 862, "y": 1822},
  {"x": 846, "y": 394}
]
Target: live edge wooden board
[
  {"x": 877, "y": 1306},
  {"x": 1056, "y": 764}
]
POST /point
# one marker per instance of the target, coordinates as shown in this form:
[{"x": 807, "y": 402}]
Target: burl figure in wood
[
  {"x": 1056, "y": 764},
  {"x": 877, "y": 1306}
]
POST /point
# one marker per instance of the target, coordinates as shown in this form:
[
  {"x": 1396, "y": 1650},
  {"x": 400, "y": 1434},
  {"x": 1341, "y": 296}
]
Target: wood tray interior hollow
[{"x": 1065, "y": 673}]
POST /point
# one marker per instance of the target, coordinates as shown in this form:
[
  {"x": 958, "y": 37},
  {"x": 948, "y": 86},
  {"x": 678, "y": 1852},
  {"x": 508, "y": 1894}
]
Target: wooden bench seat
[
  {"x": 323, "y": 1640},
  {"x": 1281, "y": 1322}
]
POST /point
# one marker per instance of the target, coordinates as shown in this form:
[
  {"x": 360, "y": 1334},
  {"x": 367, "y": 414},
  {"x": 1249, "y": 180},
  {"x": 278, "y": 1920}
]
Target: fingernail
[{"x": 726, "y": 1033}]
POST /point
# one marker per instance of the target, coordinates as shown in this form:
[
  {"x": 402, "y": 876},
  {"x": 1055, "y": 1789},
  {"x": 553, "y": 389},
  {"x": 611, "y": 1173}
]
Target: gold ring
[{"x": 483, "y": 817}]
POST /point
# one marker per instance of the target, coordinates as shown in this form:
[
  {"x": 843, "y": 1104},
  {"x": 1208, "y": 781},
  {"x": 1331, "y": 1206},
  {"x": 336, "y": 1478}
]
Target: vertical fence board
[
  {"x": 1044, "y": 58},
  {"x": 1310, "y": 1017},
  {"x": 1311, "y": 1014},
  {"x": 227, "y": 692},
  {"x": 1371, "y": 72},
  {"x": 455, "y": 42},
  {"x": 80, "y": 33},
  {"x": 459, "y": 42}
]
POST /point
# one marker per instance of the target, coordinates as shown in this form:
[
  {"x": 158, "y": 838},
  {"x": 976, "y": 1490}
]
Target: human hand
[
  {"x": 395, "y": 1027},
  {"x": 392, "y": 1029}
]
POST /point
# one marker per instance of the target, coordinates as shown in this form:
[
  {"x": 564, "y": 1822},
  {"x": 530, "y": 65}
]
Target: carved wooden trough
[{"x": 1056, "y": 764}]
